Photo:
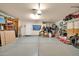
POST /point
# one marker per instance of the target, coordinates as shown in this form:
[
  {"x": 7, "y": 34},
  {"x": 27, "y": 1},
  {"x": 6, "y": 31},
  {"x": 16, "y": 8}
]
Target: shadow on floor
[{"x": 77, "y": 46}]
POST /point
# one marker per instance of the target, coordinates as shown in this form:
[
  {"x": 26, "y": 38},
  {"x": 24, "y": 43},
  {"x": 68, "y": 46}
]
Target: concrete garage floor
[{"x": 38, "y": 46}]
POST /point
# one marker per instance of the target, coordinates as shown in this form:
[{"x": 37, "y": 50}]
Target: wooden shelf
[{"x": 11, "y": 24}]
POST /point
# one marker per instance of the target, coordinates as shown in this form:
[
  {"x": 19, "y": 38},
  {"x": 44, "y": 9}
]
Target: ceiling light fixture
[
  {"x": 38, "y": 10},
  {"x": 36, "y": 13},
  {"x": 35, "y": 16}
]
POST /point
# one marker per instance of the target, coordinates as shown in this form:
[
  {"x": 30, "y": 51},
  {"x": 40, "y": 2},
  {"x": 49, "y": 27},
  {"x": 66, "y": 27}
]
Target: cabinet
[
  {"x": 2, "y": 38},
  {"x": 6, "y": 39}
]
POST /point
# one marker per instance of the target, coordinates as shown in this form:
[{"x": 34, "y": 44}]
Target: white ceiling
[{"x": 50, "y": 11}]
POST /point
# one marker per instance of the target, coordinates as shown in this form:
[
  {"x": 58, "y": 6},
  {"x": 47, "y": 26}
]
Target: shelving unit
[
  {"x": 73, "y": 27},
  {"x": 8, "y": 31},
  {"x": 12, "y": 24}
]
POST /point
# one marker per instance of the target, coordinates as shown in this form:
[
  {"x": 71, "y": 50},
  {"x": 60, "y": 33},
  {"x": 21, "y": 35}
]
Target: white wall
[{"x": 27, "y": 29}]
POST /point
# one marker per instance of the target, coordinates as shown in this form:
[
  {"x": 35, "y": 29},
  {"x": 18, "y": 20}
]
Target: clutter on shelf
[{"x": 49, "y": 31}]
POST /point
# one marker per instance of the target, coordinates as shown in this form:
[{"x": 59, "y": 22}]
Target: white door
[
  {"x": 29, "y": 29},
  {"x": 23, "y": 30}
]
